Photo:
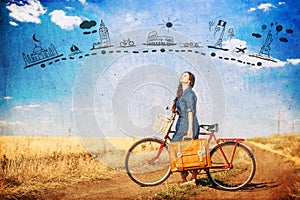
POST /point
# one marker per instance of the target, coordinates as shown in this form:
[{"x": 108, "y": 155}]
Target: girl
[{"x": 187, "y": 124}]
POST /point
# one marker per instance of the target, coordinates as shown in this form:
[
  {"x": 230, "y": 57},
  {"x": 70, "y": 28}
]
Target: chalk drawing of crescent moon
[{"x": 34, "y": 38}]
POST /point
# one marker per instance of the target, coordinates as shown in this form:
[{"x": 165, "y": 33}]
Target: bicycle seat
[{"x": 211, "y": 128}]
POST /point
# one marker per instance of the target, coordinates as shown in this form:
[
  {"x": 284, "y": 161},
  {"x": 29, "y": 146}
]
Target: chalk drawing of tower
[
  {"x": 265, "y": 49},
  {"x": 104, "y": 35},
  {"x": 221, "y": 24}
]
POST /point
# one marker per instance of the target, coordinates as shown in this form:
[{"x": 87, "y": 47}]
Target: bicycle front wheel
[
  {"x": 239, "y": 174},
  {"x": 148, "y": 162}
]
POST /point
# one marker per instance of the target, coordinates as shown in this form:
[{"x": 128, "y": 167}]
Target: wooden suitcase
[{"x": 190, "y": 154}]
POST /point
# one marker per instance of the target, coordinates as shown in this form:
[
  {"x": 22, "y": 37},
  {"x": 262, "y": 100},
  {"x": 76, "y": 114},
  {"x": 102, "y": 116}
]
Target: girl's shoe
[{"x": 191, "y": 182}]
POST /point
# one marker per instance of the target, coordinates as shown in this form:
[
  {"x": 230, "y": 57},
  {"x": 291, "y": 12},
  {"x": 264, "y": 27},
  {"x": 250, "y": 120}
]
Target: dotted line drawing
[
  {"x": 144, "y": 51},
  {"x": 40, "y": 55}
]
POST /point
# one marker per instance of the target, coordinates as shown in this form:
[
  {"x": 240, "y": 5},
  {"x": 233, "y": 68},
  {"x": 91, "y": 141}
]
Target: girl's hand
[{"x": 169, "y": 119}]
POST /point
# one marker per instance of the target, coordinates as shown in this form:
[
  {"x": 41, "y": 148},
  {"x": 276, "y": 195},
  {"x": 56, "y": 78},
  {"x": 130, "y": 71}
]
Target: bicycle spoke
[
  {"x": 239, "y": 174},
  {"x": 145, "y": 165}
]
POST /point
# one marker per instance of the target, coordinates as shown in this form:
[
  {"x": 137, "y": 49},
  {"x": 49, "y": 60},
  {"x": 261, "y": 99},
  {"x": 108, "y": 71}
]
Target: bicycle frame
[
  {"x": 167, "y": 137},
  {"x": 211, "y": 135},
  {"x": 232, "y": 163},
  {"x": 218, "y": 143}
]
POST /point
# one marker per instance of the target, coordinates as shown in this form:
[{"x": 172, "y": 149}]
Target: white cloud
[
  {"x": 252, "y": 9},
  {"x": 69, "y": 8},
  {"x": 33, "y": 106},
  {"x": 18, "y": 107},
  {"x": 281, "y": 3},
  {"x": 231, "y": 44},
  {"x": 13, "y": 23},
  {"x": 26, "y": 107},
  {"x": 19, "y": 127},
  {"x": 53, "y": 118},
  {"x": 4, "y": 123},
  {"x": 238, "y": 50},
  {"x": 294, "y": 61},
  {"x": 7, "y": 97},
  {"x": 60, "y": 18},
  {"x": 264, "y": 6},
  {"x": 18, "y": 123},
  {"x": 29, "y": 12},
  {"x": 83, "y": 2}
]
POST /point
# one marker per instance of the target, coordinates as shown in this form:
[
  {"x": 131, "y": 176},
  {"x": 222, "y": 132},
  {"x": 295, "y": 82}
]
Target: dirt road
[{"x": 274, "y": 179}]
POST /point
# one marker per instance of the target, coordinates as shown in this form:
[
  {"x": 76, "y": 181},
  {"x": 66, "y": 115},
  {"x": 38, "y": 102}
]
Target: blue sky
[{"x": 56, "y": 96}]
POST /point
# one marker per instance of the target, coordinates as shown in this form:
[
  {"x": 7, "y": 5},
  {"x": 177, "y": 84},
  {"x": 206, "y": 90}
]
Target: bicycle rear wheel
[
  {"x": 242, "y": 170},
  {"x": 144, "y": 165}
]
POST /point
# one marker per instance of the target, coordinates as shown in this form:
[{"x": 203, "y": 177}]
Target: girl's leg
[
  {"x": 194, "y": 174},
  {"x": 184, "y": 174},
  {"x": 192, "y": 182}
]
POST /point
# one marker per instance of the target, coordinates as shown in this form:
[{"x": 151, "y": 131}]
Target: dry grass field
[
  {"x": 287, "y": 145},
  {"x": 30, "y": 165}
]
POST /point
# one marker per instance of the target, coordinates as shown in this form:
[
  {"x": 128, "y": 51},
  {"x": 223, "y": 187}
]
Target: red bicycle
[{"x": 233, "y": 163}]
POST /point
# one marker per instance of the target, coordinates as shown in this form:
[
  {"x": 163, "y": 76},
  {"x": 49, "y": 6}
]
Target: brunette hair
[{"x": 180, "y": 90}]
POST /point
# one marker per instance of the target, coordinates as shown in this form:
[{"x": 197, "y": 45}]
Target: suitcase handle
[{"x": 185, "y": 138}]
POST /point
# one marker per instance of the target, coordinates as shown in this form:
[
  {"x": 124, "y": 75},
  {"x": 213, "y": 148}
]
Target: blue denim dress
[{"x": 186, "y": 103}]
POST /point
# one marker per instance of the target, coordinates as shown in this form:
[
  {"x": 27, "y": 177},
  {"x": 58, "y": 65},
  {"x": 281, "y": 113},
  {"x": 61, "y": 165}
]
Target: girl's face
[{"x": 185, "y": 79}]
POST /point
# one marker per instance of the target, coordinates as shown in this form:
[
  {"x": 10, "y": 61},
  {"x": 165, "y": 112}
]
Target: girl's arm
[{"x": 191, "y": 121}]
